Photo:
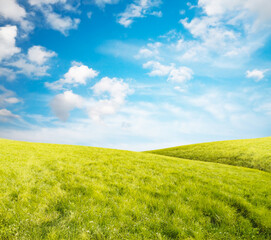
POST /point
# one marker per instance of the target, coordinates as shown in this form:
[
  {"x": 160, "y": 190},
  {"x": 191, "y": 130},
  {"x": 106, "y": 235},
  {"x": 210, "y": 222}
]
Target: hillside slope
[
  {"x": 252, "y": 153},
  {"x": 71, "y": 192}
]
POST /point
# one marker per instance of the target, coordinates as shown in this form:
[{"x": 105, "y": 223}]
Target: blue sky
[{"x": 138, "y": 74}]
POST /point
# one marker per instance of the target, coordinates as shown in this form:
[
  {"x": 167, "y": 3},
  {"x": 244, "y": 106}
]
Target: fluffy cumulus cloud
[
  {"x": 34, "y": 63},
  {"x": 106, "y": 105},
  {"x": 59, "y": 23},
  {"x": 10, "y": 9},
  {"x": 63, "y": 103},
  {"x": 138, "y": 9},
  {"x": 175, "y": 75},
  {"x": 56, "y": 21},
  {"x": 78, "y": 74},
  {"x": 8, "y": 42},
  {"x": 39, "y": 55},
  {"x": 256, "y": 74}
]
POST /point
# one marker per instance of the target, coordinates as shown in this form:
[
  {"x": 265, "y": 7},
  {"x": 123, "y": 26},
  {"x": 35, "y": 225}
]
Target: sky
[{"x": 135, "y": 74}]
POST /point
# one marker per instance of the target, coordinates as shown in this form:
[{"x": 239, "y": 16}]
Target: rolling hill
[
  {"x": 52, "y": 191},
  {"x": 251, "y": 153}
]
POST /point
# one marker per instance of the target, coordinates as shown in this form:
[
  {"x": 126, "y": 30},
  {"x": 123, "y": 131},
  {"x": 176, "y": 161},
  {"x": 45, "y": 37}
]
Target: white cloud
[
  {"x": 44, "y": 2},
  {"x": 256, "y": 74},
  {"x": 63, "y": 103},
  {"x": 220, "y": 40},
  {"x": 89, "y": 15},
  {"x": 180, "y": 75},
  {"x": 217, "y": 103},
  {"x": 152, "y": 50},
  {"x": 7, "y": 73},
  {"x": 12, "y": 100},
  {"x": 30, "y": 69},
  {"x": 157, "y": 69},
  {"x": 39, "y": 54},
  {"x": 102, "y": 3},
  {"x": 78, "y": 74},
  {"x": 59, "y": 23},
  {"x": 175, "y": 75},
  {"x": 10, "y": 9},
  {"x": 265, "y": 108},
  {"x": 143, "y": 125},
  {"x": 8, "y": 41},
  {"x": 138, "y": 9},
  {"x": 6, "y": 115},
  {"x": 260, "y": 8},
  {"x": 34, "y": 64},
  {"x": 109, "y": 96},
  {"x": 117, "y": 90},
  {"x": 7, "y": 97},
  {"x": 227, "y": 30}
]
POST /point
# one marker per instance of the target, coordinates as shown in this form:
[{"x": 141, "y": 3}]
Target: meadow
[
  {"x": 50, "y": 191},
  {"x": 251, "y": 153}
]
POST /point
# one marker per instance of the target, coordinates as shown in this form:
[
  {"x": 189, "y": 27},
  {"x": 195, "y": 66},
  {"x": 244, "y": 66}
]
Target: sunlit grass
[
  {"x": 252, "y": 153},
  {"x": 72, "y": 192}
]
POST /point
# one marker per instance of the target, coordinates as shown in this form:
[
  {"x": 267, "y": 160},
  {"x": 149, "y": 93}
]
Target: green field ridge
[
  {"x": 50, "y": 191},
  {"x": 251, "y": 153}
]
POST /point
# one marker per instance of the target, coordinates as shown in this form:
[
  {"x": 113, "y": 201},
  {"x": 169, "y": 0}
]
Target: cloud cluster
[
  {"x": 32, "y": 64},
  {"x": 98, "y": 106},
  {"x": 213, "y": 115},
  {"x": 138, "y": 9},
  {"x": 11, "y": 10}
]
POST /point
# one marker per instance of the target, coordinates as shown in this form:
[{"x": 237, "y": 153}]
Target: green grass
[
  {"x": 71, "y": 192},
  {"x": 252, "y": 153}
]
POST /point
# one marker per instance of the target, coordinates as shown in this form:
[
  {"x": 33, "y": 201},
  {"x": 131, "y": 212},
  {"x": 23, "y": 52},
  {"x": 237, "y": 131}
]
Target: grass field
[
  {"x": 71, "y": 192},
  {"x": 252, "y": 153}
]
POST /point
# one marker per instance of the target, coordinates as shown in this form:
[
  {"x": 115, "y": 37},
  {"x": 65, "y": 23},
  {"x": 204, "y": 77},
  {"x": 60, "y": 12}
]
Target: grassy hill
[
  {"x": 252, "y": 153},
  {"x": 71, "y": 192}
]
